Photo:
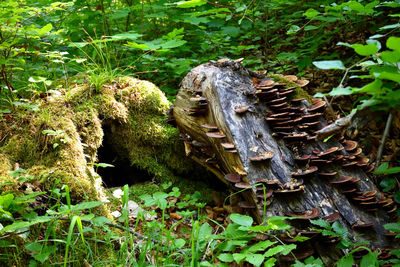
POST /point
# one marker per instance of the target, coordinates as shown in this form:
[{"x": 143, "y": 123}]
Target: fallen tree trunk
[{"x": 255, "y": 133}]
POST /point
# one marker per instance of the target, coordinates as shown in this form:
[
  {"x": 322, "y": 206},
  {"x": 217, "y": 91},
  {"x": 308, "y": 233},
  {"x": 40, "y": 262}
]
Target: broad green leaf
[
  {"x": 369, "y": 260},
  {"x": 391, "y": 26},
  {"x": 329, "y": 64},
  {"x": 137, "y": 46},
  {"x": 273, "y": 251},
  {"x": 126, "y": 36},
  {"x": 393, "y": 43},
  {"x": 388, "y": 76},
  {"x": 341, "y": 91},
  {"x": 397, "y": 196},
  {"x": 86, "y": 205},
  {"x": 33, "y": 247},
  {"x": 384, "y": 169},
  {"x": 394, "y": 227},
  {"x": 339, "y": 229},
  {"x": 293, "y": 29},
  {"x": 261, "y": 246},
  {"x": 390, "y": 56},
  {"x": 270, "y": 262},
  {"x": 311, "y": 13},
  {"x": 243, "y": 220},
  {"x": 371, "y": 88},
  {"x": 365, "y": 50},
  {"x": 238, "y": 257},
  {"x": 288, "y": 248},
  {"x": 172, "y": 44},
  {"x": 100, "y": 220},
  {"x": 346, "y": 261},
  {"x": 310, "y": 28},
  {"x": 190, "y": 3},
  {"x": 45, "y": 29},
  {"x": 321, "y": 223},
  {"x": 255, "y": 259},
  {"x": 388, "y": 183},
  {"x": 225, "y": 257}
]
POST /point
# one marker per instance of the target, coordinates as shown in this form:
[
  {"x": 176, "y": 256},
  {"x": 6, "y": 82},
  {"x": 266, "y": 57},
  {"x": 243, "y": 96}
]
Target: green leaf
[
  {"x": 261, "y": 246},
  {"x": 321, "y": 223},
  {"x": 225, "y": 257},
  {"x": 238, "y": 257},
  {"x": 384, "y": 169},
  {"x": 86, "y": 205},
  {"x": 255, "y": 259},
  {"x": 45, "y": 29},
  {"x": 390, "y": 56},
  {"x": 33, "y": 247},
  {"x": 329, "y": 64},
  {"x": 288, "y": 248},
  {"x": 190, "y": 3},
  {"x": 394, "y": 227},
  {"x": 388, "y": 183},
  {"x": 270, "y": 262},
  {"x": 371, "y": 88},
  {"x": 273, "y": 251},
  {"x": 369, "y": 260},
  {"x": 310, "y": 28},
  {"x": 393, "y": 43},
  {"x": 341, "y": 91},
  {"x": 311, "y": 13},
  {"x": 243, "y": 220},
  {"x": 365, "y": 50},
  {"x": 346, "y": 261},
  {"x": 137, "y": 46},
  {"x": 397, "y": 196},
  {"x": 293, "y": 29},
  {"x": 131, "y": 35},
  {"x": 339, "y": 229}
]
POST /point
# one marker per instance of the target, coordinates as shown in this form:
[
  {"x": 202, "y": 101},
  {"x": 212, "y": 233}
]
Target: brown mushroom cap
[
  {"x": 267, "y": 194},
  {"x": 328, "y": 151},
  {"x": 292, "y": 78},
  {"x": 369, "y": 193},
  {"x": 362, "y": 225},
  {"x": 327, "y": 174},
  {"x": 242, "y": 109},
  {"x": 242, "y": 185},
  {"x": 198, "y": 99},
  {"x": 262, "y": 156},
  {"x": 217, "y": 135},
  {"x": 231, "y": 151},
  {"x": 267, "y": 82},
  {"x": 349, "y": 145},
  {"x": 351, "y": 163},
  {"x": 209, "y": 127},
  {"x": 285, "y": 93},
  {"x": 309, "y": 214},
  {"x": 283, "y": 129},
  {"x": 350, "y": 191},
  {"x": 295, "y": 136},
  {"x": 228, "y": 145},
  {"x": 342, "y": 180},
  {"x": 306, "y": 172},
  {"x": 279, "y": 115},
  {"x": 357, "y": 152},
  {"x": 302, "y": 83},
  {"x": 317, "y": 107},
  {"x": 233, "y": 177},
  {"x": 284, "y": 191},
  {"x": 332, "y": 217},
  {"x": 195, "y": 111}
]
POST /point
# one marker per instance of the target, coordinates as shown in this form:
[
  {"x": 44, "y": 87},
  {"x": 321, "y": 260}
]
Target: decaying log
[{"x": 250, "y": 130}]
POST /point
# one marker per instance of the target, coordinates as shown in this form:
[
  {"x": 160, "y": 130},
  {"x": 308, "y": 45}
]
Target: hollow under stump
[{"x": 256, "y": 134}]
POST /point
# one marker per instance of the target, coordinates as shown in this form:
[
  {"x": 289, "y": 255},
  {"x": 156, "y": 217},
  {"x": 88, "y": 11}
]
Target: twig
[{"x": 383, "y": 140}]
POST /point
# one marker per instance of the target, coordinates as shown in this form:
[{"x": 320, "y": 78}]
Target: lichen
[{"x": 298, "y": 91}]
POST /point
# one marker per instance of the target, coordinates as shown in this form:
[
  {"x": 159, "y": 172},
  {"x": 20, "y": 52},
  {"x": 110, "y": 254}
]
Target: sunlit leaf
[{"x": 329, "y": 64}]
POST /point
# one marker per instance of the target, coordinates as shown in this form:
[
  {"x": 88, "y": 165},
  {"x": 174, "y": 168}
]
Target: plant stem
[{"x": 383, "y": 140}]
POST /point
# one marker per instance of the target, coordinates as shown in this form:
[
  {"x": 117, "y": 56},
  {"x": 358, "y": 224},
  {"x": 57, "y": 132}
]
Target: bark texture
[{"x": 212, "y": 94}]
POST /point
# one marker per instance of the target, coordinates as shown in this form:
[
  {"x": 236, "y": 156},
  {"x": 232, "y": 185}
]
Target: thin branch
[{"x": 383, "y": 140}]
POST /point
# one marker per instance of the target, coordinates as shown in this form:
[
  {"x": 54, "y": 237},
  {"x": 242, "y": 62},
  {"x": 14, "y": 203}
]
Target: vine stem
[{"x": 383, "y": 140}]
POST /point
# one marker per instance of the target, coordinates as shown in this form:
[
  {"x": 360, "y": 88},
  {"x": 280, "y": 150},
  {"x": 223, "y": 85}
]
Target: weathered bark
[{"x": 226, "y": 85}]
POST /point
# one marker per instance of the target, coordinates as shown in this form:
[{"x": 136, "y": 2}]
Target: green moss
[{"x": 298, "y": 92}]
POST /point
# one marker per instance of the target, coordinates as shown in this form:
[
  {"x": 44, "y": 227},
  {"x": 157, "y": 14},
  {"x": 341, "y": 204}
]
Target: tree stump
[{"x": 255, "y": 133}]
